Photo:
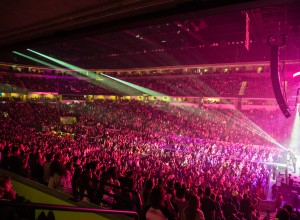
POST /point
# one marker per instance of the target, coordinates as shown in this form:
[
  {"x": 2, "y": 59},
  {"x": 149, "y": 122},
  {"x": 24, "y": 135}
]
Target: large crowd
[
  {"x": 163, "y": 161},
  {"x": 209, "y": 85},
  {"x": 198, "y": 85},
  {"x": 167, "y": 154}
]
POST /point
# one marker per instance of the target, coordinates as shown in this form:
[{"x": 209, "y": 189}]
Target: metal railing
[
  {"x": 78, "y": 195},
  {"x": 39, "y": 206}
]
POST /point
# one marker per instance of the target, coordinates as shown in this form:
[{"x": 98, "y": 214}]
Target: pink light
[
  {"x": 45, "y": 93},
  {"x": 296, "y": 74}
]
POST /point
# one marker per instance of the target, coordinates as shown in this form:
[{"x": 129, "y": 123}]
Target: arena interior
[{"x": 155, "y": 110}]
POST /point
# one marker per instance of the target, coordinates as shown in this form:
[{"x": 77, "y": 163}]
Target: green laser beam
[{"x": 112, "y": 83}]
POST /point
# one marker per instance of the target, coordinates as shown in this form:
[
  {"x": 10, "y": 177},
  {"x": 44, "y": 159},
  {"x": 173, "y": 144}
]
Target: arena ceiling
[{"x": 107, "y": 34}]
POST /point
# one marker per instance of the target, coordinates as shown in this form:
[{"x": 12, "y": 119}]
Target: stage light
[{"x": 296, "y": 74}]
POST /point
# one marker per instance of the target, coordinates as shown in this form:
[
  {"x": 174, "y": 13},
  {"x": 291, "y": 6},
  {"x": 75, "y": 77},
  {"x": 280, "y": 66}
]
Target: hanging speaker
[{"x": 276, "y": 81}]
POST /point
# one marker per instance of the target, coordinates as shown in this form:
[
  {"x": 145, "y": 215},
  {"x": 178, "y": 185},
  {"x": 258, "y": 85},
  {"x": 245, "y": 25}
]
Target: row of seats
[{"x": 215, "y": 86}]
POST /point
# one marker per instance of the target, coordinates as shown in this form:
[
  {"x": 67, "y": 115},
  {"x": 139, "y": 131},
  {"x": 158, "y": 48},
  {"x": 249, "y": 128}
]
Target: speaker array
[{"x": 276, "y": 82}]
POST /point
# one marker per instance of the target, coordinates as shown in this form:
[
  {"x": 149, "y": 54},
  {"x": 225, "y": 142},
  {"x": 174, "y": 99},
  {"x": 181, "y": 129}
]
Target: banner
[
  {"x": 247, "y": 38},
  {"x": 68, "y": 120}
]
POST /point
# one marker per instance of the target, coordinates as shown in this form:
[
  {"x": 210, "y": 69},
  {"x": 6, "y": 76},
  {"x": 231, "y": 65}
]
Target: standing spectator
[
  {"x": 36, "y": 166},
  {"x": 219, "y": 213},
  {"x": 46, "y": 168},
  {"x": 95, "y": 181},
  {"x": 229, "y": 209},
  {"x": 113, "y": 172},
  {"x": 66, "y": 179},
  {"x": 235, "y": 202},
  {"x": 5, "y": 158},
  {"x": 192, "y": 211},
  {"x": 282, "y": 214},
  {"x": 161, "y": 207},
  {"x": 125, "y": 201},
  {"x": 208, "y": 205},
  {"x": 15, "y": 163},
  {"x": 76, "y": 162},
  {"x": 85, "y": 182},
  {"x": 6, "y": 190},
  {"x": 108, "y": 196},
  {"x": 57, "y": 170},
  {"x": 8, "y": 194},
  {"x": 293, "y": 215},
  {"x": 278, "y": 200},
  {"x": 274, "y": 191},
  {"x": 180, "y": 201},
  {"x": 148, "y": 186},
  {"x": 245, "y": 207},
  {"x": 76, "y": 184}
]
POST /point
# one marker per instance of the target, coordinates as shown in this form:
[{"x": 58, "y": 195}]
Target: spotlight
[{"x": 296, "y": 74}]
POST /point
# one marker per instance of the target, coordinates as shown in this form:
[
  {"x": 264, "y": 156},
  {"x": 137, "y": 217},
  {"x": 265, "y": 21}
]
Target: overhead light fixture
[{"x": 296, "y": 74}]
